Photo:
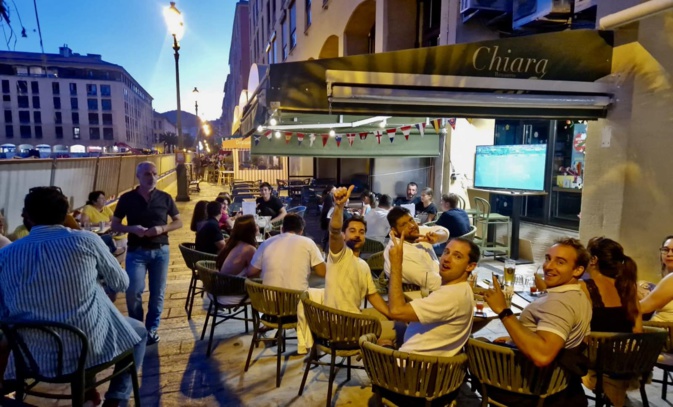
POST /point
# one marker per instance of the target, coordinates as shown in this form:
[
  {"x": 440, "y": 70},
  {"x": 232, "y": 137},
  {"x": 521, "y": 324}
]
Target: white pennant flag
[{"x": 311, "y": 138}]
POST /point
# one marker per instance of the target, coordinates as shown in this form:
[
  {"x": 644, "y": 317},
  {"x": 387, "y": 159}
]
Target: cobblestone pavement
[{"x": 177, "y": 373}]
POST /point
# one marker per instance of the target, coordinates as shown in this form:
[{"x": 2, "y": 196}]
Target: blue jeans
[
  {"x": 155, "y": 264},
  {"x": 121, "y": 386}
]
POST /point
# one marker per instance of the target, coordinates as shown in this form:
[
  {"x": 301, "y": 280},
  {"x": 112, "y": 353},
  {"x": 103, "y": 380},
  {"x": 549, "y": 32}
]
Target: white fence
[{"x": 75, "y": 176}]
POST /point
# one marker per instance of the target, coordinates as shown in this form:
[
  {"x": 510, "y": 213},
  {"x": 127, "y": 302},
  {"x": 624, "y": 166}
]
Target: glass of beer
[{"x": 510, "y": 271}]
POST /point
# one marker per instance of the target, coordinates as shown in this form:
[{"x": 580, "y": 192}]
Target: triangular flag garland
[
  {"x": 268, "y": 134},
  {"x": 256, "y": 137},
  {"x": 452, "y": 123},
  {"x": 325, "y": 137},
  {"x": 391, "y": 134},
  {"x": 288, "y": 137},
  {"x": 300, "y": 138},
  {"x": 421, "y": 128},
  {"x": 351, "y": 138},
  {"x": 311, "y": 138},
  {"x": 338, "y": 140},
  {"x": 378, "y": 136},
  {"x": 405, "y": 130},
  {"x": 437, "y": 124},
  {"x": 363, "y": 136}
]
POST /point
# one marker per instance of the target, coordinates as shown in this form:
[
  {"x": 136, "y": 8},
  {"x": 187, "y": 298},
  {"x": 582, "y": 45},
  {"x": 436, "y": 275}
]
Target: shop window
[
  {"x": 24, "y": 116},
  {"x": 59, "y": 132},
  {"x": 92, "y": 104},
  {"x": 258, "y": 162},
  {"x": 25, "y": 132},
  {"x": 94, "y": 133},
  {"x": 108, "y": 133},
  {"x": 38, "y": 131},
  {"x": 9, "y": 131}
]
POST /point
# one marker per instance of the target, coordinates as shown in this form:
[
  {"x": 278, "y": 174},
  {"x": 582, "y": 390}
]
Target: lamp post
[
  {"x": 195, "y": 95},
  {"x": 176, "y": 28}
]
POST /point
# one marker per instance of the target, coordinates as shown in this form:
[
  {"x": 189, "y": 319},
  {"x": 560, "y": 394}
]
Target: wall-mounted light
[
  {"x": 276, "y": 134},
  {"x": 332, "y": 133}
]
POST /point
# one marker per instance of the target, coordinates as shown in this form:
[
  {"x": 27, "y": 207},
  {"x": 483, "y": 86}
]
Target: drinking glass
[
  {"x": 509, "y": 292},
  {"x": 510, "y": 271}
]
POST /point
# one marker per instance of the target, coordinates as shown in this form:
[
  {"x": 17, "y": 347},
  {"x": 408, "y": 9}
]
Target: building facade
[
  {"x": 68, "y": 99},
  {"x": 239, "y": 65},
  {"x": 162, "y": 126}
]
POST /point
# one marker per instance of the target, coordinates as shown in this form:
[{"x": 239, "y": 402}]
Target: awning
[
  {"x": 235, "y": 144},
  {"x": 540, "y": 76}
]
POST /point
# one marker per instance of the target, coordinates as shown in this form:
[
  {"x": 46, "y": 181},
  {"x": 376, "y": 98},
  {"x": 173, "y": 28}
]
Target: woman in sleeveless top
[
  {"x": 661, "y": 298},
  {"x": 611, "y": 287}
]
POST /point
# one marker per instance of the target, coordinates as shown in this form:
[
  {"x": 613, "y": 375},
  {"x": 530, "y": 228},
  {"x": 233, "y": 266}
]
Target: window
[
  {"x": 283, "y": 37},
  {"x": 73, "y": 104},
  {"x": 36, "y": 102},
  {"x": 91, "y": 89},
  {"x": 108, "y": 134},
  {"x": 105, "y": 90},
  {"x": 75, "y": 133},
  {"x": 308, "y": 14},
  {"x": 75, "y": 118},
  {"x": 93, "y": 118},
  {"x": 22, "y": 87},
  {"x": 36, "y": 70},
  {"x": 22, "y": 70},
  {"x": 6, "y": 98},
  {"x": 73, "y": 89},
  {"x": 5, "y": 86},
  {"x": 24, "y": 116},
  {"x": 106, "y": 104},
  {"x": 57, "y": 102},
  {"x": 35, "y": 87},
  {"x": 259, "y": 162},
  {"x": 92, "y": 104},
  {"x": 107, "y": 119},
  {"x": 94, "y": 133},
  {"x": 8, "y": 116},
  {"x": 37, "y": 117},
  {"x": 38, "y": 131},
  {"x": 25, "y": 131},
  {"x": 59, "y": 131},
  {"x": 23, "y": 102},
  {"x": 9, "y": 131},
  {"x": 58, "y": 118},
  {"x": 55, "y": 88}
]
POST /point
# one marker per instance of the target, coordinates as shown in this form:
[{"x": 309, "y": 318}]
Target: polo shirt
[
  {"x": 207, "y": 235},
  {"x": 271, "y": 207},
  {"x": 286, "y": 260},
  {"x": 154, "y": 212},
  {"x": 456, "y": 220}
]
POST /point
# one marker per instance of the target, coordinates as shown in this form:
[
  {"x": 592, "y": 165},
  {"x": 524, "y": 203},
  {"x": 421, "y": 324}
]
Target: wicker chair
[
  {"x": 191, "y": 256},
  {"x": 665, "y": 360},
  {"x": 371, "y": 246},
  {"x": 383, "y": 282},
  {"x": 624, "y": 356},
  {"x": 407, "y": 379},
  {"x": 375, "y": 262},
  {"x": 216, "y": 284},
  {"x": 504, "y": 368},
  {"x": 335, "y": 333},
  {"x": 278, "y": 307}
]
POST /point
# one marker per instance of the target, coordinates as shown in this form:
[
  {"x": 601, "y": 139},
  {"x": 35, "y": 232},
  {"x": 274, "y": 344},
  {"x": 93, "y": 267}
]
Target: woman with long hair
[
  {"x": 661, "y": 298},
  {"x": 368, "y": 202},
  {"x": 199, "y": 216},
  {"x": 611, "y": 285}
]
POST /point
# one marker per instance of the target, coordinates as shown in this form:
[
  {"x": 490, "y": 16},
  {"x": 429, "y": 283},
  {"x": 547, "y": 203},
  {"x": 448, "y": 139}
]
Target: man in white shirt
[
  {"x": 420, "y": 265},
  {"x": 286, "y": 260},
  {"x": 377, "y": 223},
  {"x": 440, "y": 324}
]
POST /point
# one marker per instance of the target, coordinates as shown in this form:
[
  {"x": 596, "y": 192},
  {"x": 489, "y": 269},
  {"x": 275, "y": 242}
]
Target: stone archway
[
  {"x": 330, "y": 49},
  {"x": 359, "y": 32}
]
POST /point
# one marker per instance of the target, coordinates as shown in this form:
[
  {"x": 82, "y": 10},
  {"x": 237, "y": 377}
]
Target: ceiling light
[
  {"x": 277, "y": 134},
  {"x": 273, "y": 121},
  {"x": 332, "y": 133},
  {"x": 260, "y": 129},
  {"x": 383, "y": 124}
]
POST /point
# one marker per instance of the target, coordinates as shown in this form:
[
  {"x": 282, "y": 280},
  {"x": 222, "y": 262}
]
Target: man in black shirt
[
  {"x": 146, "y": 210},
  {"x": 453, "y": 218},
  {"x": 268, "y": 205},
  {"x": 411, "y": 198},
  {"x": 209, "y": 238}
]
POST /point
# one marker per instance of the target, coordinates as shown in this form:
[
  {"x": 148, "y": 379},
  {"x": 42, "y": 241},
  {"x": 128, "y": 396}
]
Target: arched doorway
[
  {"x": 359, "y": 35},
  {"x": 330, "y": 49}
]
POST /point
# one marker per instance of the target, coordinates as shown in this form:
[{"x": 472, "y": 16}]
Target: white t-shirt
[
  {"x": 348, "y": 281},
  {"x": 445, "y": 321},
  {"x": 286, "y": 260},
  {"x": 377, "y": 224},
  {"x": 419, "y": 263}
]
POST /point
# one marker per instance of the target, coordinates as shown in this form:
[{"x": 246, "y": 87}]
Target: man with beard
[
  {"x": 420, "y": 266},
  {"x": 349, "y": 279}
]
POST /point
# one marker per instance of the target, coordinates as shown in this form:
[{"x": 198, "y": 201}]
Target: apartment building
[
  {"x": 68, "y": 99},
  {"x": 239, "y": 65}
]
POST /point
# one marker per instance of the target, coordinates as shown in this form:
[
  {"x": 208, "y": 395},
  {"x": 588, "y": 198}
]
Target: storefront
[{"x": 247, "y": 167}]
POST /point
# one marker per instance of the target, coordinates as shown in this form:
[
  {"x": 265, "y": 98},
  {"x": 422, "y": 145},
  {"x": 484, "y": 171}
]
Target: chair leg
[
  {"x": 77, "y": 392},
  {"x": 664, "y": 384},
  {"x": 212, "y": 332},
  {"x": 312, "y": 356},
  {"x": 252, "y": 344},
  {"x": 136, "y": 386},
  {"x": 279, "y": 346},
  {"x": 191, "y": 301},
  {"x": 332, "y": 374},
  {"x": 205, "y": 324},
  {"x": 484, "y": 396},
  {"x": 245, "y": 316},
  {"x": 189, "y": 292},
  {"x": 643, "y": 394},
  {"x": 348, "y": 369}
]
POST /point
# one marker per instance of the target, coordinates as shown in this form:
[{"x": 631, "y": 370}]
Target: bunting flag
[
  {"x": 421, "y": 128},
  {"x": 391, "y": 134},
  {"x": 311, "y": 138},
  {"x": 452, "y": 123},
  {"x": 437, "y": 124},
  {"x": 268, "y": 134},
  {"x": 256, "y": 138},
  {"x": 288, "y": 137},
  {"x": 406, "y": 130},
  {"x": 325, "y": 137},
  {"x": 363, "y": 136},
  {"x": 300, "y": 138},
  {"x": 338, "y": 139},
  {"x": 378, "y": 136},
  {"x": 351, "y": 138}
]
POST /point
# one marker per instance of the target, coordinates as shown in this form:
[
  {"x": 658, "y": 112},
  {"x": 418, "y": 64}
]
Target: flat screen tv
[{"x": 517, "y": 167}]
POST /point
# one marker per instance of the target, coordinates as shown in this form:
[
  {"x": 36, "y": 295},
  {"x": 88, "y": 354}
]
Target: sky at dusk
[{"x": 133, "y": 34}]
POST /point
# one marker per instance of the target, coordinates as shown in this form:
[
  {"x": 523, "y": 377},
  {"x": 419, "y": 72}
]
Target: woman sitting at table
[
  {"x": 95, "y": 212},
  {"x": 612, "y": 290},
  {"x": 426, "y": 210},
  {"x": 226, "y": 221},
  {"x": 235, "y": 258},
  {"x": 661, "y": 298},
  {"x": 368, "y": 202},
  {"x": 199, "y": 216}
]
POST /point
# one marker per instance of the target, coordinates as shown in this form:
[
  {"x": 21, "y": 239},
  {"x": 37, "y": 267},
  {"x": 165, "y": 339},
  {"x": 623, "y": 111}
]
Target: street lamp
[
  {"x": 176, "y": 28},
  {"x": 195, "y": 96}
]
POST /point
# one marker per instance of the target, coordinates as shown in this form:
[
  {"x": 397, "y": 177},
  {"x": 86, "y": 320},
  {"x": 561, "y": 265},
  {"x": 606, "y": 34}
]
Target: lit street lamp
[
  {"x": 176, "y": 28},
  {"x": 195, "y": 96}
]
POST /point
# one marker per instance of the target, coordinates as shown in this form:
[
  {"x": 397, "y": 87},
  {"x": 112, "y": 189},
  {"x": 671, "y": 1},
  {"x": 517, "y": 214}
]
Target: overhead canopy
[
  {"x": 544, "y": 76},
  {"x": 236, "y": 144}
]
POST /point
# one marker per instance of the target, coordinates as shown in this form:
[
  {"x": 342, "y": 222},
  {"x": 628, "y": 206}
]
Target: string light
[{"x": 332, "y": 133}]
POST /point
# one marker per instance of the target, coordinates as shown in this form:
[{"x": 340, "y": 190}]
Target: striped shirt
[{"x": 53, "y": 274}]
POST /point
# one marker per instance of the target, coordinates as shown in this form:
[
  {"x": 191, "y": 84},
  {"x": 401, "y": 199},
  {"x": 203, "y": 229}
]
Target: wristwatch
[{"x": 505, "y": 313}]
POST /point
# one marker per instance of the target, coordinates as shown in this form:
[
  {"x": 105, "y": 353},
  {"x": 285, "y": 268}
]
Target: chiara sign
[{"x": 508, "y": 64}]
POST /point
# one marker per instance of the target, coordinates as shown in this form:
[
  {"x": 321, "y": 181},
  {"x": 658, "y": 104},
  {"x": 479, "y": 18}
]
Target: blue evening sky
[{"x": 133, "y": 34}]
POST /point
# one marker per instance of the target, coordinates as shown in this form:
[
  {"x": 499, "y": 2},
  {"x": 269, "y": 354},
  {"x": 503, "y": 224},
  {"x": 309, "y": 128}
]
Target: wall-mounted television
[{"x": 517, "y": 167}]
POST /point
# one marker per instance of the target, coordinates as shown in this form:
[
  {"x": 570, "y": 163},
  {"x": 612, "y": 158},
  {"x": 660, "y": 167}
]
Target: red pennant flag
[
  {"x": 391, "y": 134},
  {"x": 325, "y": 137},
  {"x": 338, "y": 139},
  {"x": 452, "y": 123},
  {"x": 268, "y": 134},
  {"x": 363, "y": 136},
  {"x": 288, "y": 137},
  {"x": 406, "y": 130},
  {"x": 300, "y": 137},
  {"x": 421, "y": 128},
  {"x": 351, "y": 138},
  {"x": 378, "y": 136}
]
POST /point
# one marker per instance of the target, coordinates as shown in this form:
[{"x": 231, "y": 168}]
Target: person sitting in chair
[{"x": 268, "y": 205}]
